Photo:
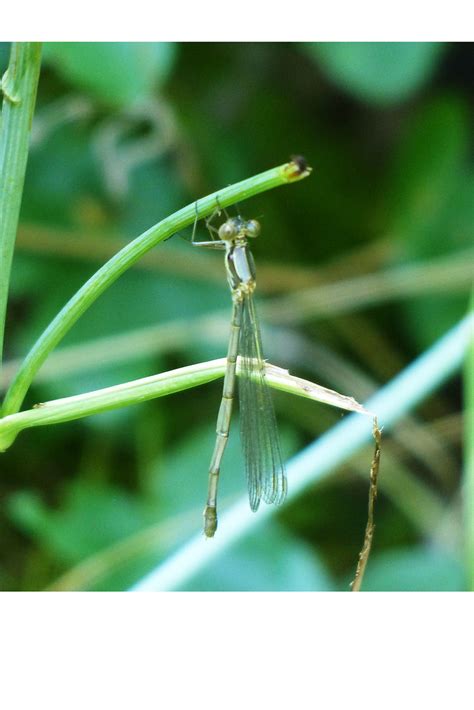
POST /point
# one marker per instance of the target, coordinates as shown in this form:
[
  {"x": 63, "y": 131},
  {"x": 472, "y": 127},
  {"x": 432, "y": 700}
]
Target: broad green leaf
[
  {"x": 428, "y": 173},
  {"x": 63, "y": 174},
  {"x": 270, "y": 560},
  {"x": 115, "y": 73},
  {"x": 378, "y": 72},
  {"x": 91, "y": 517},
  {"x": 416, "y": 569},
  {"x": 430, "y": 205}
]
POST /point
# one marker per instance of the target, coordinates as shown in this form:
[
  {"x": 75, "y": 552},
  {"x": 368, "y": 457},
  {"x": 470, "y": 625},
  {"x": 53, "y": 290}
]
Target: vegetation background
[{"x": 123, "y": 135}]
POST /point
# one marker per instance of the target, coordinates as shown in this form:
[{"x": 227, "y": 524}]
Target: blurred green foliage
[
  {"x": 378, "y": 72},
  {"x": 98, "y": 68},
  {"x": 126, "y": 133}
]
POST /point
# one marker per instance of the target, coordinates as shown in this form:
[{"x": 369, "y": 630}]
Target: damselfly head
[
  {"x": 252, "y": 228},
  {"x": 237, "y": 227},
  {"x": 229, "y": 230}
]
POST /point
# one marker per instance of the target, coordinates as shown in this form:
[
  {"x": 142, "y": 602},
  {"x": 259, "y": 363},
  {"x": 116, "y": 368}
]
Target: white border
[
  {"x": 287, "y": 650},
  {"x": 206, "y": 20}
]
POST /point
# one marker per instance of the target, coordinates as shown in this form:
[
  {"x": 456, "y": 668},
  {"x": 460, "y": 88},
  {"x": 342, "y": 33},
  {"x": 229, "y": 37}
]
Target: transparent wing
[{"x": 266, "y": 476}]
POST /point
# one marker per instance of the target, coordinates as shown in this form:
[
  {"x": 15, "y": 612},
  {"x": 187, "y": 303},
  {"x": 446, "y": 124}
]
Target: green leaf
[
  {"x": 270, "y": 561},
  {"x": 418, "y": 569},
  {"x": 430, "y": 206},
  {"x": 91, "y": 517},
  {"x": 116, "y": 73},
  {"x": 378, "y": 72},
  {"x": 427, "y": 175},
  {"x": 63, "y": 174}
]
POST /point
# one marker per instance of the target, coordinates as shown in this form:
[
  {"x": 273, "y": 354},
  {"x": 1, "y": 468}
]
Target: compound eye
[
  {"x": 252, "y": 228},
  {"x": 227, "y": 231}
]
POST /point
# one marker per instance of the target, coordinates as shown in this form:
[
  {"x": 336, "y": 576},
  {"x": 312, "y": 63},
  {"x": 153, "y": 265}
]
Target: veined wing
[{"x": 265, "y": 472}]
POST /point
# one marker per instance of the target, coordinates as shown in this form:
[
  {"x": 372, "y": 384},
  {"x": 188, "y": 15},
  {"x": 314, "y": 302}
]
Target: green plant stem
[
  {"x": 84, "y": 405},
  {"x": 115, "y": 267},
  {"x": 19, "y": 85}
]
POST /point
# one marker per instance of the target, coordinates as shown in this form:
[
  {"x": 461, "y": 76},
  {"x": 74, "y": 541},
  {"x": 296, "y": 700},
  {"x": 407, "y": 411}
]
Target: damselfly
[{"x": 265, "y": 472}]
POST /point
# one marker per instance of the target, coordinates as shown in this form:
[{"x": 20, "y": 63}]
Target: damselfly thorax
[{"x": 240, "y": 268}]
